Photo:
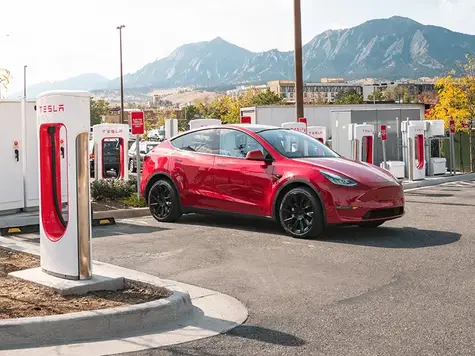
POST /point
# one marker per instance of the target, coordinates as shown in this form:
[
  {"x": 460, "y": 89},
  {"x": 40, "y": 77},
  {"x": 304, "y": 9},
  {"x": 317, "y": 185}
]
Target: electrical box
[
  {"x": 197, "y": 123},
  {"x": 397, "y": 168},
  {"x": 434, "y": 128},
  {"x": 11, "y": 157},
  {"x": 438, "y": 165}
]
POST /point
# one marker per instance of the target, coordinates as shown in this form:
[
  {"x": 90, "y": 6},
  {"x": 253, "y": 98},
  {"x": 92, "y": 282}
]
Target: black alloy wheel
[
  {"x": 163, "y": 202},
  {"x": 300, "y": 213}
]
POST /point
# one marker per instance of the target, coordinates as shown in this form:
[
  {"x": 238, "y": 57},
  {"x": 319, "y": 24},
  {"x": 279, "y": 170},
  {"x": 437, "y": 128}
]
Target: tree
[
  {"x": 349, "y": 97},
  {"x": 457, "y": 99},
  {"x": 4, "y": 77},
  {"x": 378, "y": 95},
  {"x": 188, "y": 113},
  {"x": 98, "y": 109},
  {"x": 267, "y": 98}
]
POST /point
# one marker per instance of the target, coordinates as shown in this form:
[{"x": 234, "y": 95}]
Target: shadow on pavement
[
  {"x": 390, "y": 237},
  {"x": 121, "y": 228},
  {"x": 232, "y": 222},
  {"x": 266, "y": 335}
]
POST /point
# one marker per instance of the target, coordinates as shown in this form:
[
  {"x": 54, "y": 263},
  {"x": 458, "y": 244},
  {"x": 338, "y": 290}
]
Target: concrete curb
[
  {"x": 93, "y": 325},
  {"x": 190, "y": 313},
  {"x": 121, "y": 213},
  {"x": 438, "y": 180}
]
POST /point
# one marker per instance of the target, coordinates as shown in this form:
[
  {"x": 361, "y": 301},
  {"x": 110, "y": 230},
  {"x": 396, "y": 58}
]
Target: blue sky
[{"x": 58, "y": 40}]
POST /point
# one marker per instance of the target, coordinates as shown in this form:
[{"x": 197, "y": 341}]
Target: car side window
[
  {"x": 203, "y": 141},
  {"x": 234, "y": 143}
]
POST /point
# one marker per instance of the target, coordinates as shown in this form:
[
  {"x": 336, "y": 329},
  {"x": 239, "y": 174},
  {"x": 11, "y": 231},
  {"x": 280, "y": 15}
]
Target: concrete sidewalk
[{"x": 431, "y": 181}]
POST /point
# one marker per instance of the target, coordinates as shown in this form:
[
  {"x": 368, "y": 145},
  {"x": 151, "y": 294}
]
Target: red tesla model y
[{"x": 269, "y": 172}]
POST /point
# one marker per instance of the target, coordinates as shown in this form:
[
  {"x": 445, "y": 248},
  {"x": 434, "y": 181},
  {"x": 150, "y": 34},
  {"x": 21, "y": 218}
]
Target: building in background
[
  {"x": 241, "y": 89},
  {"x": 313, "y": 92}
]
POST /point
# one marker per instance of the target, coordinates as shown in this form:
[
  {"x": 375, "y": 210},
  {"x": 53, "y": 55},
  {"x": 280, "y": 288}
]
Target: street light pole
[
  {"x": 122, "y": 118},
  {"x": 298, "y": 60}
]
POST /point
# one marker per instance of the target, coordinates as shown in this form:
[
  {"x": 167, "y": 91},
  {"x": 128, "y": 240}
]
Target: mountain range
[{"x": 391, "y": 48}]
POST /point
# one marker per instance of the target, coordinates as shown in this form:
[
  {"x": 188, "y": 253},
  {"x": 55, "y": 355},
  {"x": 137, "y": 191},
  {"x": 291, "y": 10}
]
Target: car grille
[{"x": 384, "y": 213}]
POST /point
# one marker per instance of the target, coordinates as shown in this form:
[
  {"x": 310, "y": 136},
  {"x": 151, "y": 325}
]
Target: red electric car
[{"x": 269, "y": 172}]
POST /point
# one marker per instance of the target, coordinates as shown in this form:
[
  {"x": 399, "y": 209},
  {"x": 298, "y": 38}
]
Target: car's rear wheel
[
  {"x": 300, "y": 213},
  {"x": 163, "y": 202},
  {"x": 371, "y": 224}
]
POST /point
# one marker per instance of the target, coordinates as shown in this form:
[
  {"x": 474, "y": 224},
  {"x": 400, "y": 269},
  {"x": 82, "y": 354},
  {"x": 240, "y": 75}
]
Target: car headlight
[{"x": 338, "y": 180}]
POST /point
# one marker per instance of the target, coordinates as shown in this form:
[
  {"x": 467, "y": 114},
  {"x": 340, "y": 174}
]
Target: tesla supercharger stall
[
  {"x": 362, "y": 142},
  {"x": 296, "y": 126},
  {"x": 318, "y": 132},
  {"x": 65, "y": 236},
  {"x": 197, "y": 123},
  {"x": 435, "y": 133},
  {"x": 413, "y": 146},
  {"x": 115, "y": 135},
  {"x": 171, "y": 128}
]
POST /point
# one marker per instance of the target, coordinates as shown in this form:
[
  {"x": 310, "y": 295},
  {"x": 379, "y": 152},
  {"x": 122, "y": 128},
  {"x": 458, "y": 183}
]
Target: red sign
[
  {"x": 384, "y": 135},
  {"x": 304, "y": 120},
  {"x": 245, "y": 120},
  {"x": 452, "y": 126},
  {"x": 137, "y": 122}
]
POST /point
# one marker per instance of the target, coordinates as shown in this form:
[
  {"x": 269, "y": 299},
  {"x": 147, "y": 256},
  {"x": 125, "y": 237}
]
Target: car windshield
[{"x": 293, "y": 144}]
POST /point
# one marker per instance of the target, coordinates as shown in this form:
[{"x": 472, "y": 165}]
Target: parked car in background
[
  {"x": 145, "y": 147},
  {"x": 269, "y": 172}
]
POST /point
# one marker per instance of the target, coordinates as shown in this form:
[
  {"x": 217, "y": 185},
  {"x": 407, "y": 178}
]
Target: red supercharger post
[
  {"x": 137, "y": 124},
  {"x": 452, "y": 145},
  {"x": 63, "y": 120},
  {"x": 304, "y": 121},
  {"x": 384, "y": 136}
]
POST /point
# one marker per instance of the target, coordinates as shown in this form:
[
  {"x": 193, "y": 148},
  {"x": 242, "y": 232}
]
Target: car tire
[
  {"x": 300, "y": 214},
  {"x": 163, "y": 202},
  {"x": 132, "y": 168},
  {"x": 371, "y": 224}
]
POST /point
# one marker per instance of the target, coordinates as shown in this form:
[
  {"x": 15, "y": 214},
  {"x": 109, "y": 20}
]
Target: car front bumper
[{"x": 372, "y": 204}]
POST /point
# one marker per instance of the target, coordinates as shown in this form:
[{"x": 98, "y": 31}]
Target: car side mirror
[{"x": 255, "y": 155}]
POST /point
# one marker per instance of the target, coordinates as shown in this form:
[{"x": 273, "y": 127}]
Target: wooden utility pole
[{"x": 298, "y": 60}]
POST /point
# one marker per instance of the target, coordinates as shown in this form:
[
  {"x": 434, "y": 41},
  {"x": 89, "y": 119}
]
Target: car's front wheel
[
  {"x": 300, "y": 213},
  {"x": 163, "y": 202}
]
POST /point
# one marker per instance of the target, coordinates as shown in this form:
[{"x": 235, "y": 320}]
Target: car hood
[{"x": 356, "y": 170}]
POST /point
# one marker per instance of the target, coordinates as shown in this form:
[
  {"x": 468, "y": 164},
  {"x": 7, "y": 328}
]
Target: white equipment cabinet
[
  {"x": 11, "y": 157},
  {"x": 197, "y": 123}
]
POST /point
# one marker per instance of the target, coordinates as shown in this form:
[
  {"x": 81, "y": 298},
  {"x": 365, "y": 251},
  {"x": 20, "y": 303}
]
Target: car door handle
[
  {"x": 178, "y": 160},
  {"x": 221, "y": 165}
]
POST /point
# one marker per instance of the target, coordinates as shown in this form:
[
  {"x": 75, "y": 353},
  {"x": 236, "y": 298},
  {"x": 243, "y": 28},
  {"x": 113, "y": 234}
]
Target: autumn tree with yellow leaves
[
  {"x": 4, "y": 77},
  {"x": 457, "y": 99}
]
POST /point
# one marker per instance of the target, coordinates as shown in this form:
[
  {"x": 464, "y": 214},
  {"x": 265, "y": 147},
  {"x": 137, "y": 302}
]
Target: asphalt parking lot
[{"x": 406, "y": 288}]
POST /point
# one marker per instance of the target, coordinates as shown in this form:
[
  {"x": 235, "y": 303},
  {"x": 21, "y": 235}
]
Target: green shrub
[
  {"x": 111, "y": 189},
  {"x": 134, "y": 202}
]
